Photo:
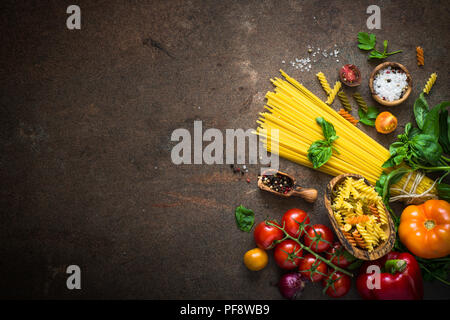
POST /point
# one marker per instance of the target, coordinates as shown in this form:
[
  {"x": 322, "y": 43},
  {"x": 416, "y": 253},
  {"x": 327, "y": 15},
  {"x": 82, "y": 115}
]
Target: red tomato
[
  {"x": 291, "y": 220},
  {"x": 342, "y": 284},
  {"x": 310, "y": 263},
  {"x": 385, "y": 122},
  {"x": 287, "y": 254},
  {"x": 265, "y": 235},
  {"x": 339, "y": 259},
  {"x": 325, "y": 234}
]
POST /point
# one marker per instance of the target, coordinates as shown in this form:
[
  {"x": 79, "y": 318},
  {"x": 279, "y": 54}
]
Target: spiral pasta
[
  {"x": 361, "y": 215},
  {"x": 420, "y": 58},
  {"x": 358, "y": 219},
  {"x": 324, "y": 82},
  {"x": 430, "y": 83},
  {"x": 360, "y": 101},
  {"x": 344, "y": 101},
  {"x": 347, "y": 116},
  {"x": 349, "y": 237},
  {"x": 333, "y": 92}
]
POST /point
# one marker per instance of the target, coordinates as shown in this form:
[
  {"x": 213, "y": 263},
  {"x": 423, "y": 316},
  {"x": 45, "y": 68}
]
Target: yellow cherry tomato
[
  {"x": 385, "y": 122},
  {"x": 255, "y": 259}
]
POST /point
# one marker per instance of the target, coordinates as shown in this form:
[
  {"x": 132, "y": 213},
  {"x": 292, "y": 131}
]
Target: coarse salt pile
[{"x": 390, "y": 84}]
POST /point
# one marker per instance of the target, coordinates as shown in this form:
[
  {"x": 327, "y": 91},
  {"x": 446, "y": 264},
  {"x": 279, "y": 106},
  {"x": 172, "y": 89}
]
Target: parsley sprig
[{"x": 367, "y": 42}]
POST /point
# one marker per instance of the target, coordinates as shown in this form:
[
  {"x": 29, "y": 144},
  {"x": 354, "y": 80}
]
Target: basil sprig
[
  {"x": 245, "y": 218},
  {"x": 320, "y": 151},
  {"x": 369, "y": 117}
]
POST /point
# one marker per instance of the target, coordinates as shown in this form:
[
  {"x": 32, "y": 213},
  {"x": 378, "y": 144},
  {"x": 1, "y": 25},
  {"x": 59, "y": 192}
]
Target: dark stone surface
[{"x": 86, "y": 121}]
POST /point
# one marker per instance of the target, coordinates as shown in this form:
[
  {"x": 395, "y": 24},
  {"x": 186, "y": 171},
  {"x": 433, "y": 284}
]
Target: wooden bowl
[
  {"x": 382, "y": 249},
  {"x": 393, "y": 65}
]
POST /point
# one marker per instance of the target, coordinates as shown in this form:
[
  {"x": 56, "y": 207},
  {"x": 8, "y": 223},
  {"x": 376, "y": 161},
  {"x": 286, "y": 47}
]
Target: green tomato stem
[{"x": 328, "y": 262}]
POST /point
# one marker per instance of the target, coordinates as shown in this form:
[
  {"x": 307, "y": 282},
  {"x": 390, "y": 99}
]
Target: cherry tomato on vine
[
  {"x": 385, "y": 122},
  {"x": 339, "y": 259},
  {"x": 341, "y": 284},
  {"x": 265, "y": 235},
  {"x": 309, "y": 264},
  {"x": 318, "y": 237},
  {"x": 291, "y": 220},
  {"x": 287, "y": 254},
  {"x": 255, "y": 259}
]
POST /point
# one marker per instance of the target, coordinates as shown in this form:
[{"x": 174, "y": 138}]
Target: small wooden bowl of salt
[{"x": 390, "y": 83}]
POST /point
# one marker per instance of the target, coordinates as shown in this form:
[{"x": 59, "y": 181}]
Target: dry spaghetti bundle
[{"x": 292, "y": 110}]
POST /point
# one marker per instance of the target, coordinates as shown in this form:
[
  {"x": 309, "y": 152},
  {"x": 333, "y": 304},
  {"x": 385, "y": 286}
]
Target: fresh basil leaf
[
  {"x": 355, "y": 265},
  {"x": 431, "y": 122},
  {"x": 413, "y": 132},
  {"x": 319, "y": 153},
  {"x": 327, "y": 128},
  {"x": 366, "y": 41},
  {"x": 245, "y": 218},
  {"x": 393, "y": 148},
  {"x": 372, "y": 112},
  {"x": 444, "y": 131},
  {"x": 420, "y": 110},
  {"x": 385, "y": 44},
  {"x": 443, "y": 190},
  {"x": 393, "y": 177},
  {"x": 367, "y": 122},
  {"x": 368, "y": 118},
  {"x": 427, "y": 148},
  {"x": 379, "y": 185},
  {"x": 389, "y": 163}
]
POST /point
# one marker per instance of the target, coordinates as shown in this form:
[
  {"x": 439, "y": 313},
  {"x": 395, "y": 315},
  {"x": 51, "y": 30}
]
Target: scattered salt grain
[
  {"x": 390, "y": 84},
  {"x": 305, "y": 64}
]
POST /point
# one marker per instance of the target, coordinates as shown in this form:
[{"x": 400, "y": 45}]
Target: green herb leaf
[
  {"x": 427, "y": 148},
  {"x": 444, "y": 131},
  {"x": 319, "y": 153},
  {"x": 245, "y": 218},
  {"x": 327, "y": 128},
  {"x": 374, "y": 54},
  {"x": 421, "y": 110},
  {"x": 366, "y": 41},
  {"x": 368, "y": 118},
  {"x": 443, "y": 190},
  {"x": 355, "y": 265},
  {"x": 431, "y": 122},
  {"x": 385, "y": 44}
]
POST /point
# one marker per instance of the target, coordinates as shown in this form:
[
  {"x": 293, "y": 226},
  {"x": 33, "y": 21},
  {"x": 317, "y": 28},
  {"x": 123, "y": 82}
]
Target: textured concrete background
[{"x": 86, "y": 119}]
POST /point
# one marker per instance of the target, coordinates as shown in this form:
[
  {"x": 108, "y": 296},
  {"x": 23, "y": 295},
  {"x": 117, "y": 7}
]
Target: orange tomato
[
  {"x": 256, "y": 259},
  {"x": 385, "y": 122},
  {"x": 425, "y": 229}
]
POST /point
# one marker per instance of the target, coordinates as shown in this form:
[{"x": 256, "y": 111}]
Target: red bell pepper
[{"x": 400, "y": 278}]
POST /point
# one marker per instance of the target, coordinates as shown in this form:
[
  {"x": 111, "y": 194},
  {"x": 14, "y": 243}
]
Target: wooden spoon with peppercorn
[{"x": 284, "y": 185}]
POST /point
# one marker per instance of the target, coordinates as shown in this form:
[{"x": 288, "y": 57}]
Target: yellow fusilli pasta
[
  {"x": 430, "y": 83},
  {"x": 333, "y": 92},
  {"x": 324, "y": 82},
  {"x": 360, "y": 213}
]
